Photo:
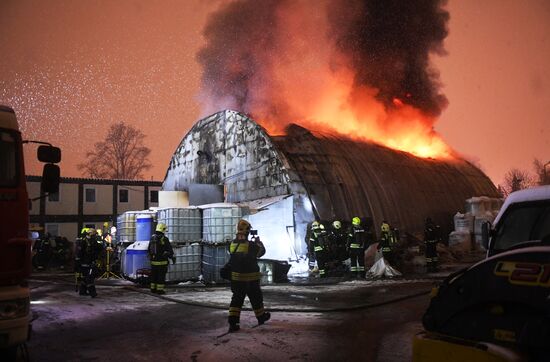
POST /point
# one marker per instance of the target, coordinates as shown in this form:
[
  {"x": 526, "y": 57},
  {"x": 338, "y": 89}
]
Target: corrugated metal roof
[
  {"x": 346, "y": 178},
  {"x": 343, "y": 178}
]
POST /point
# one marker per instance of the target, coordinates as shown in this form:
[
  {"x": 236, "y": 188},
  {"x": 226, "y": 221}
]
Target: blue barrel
[
  {"x": 144, "y": 227},
  {"x": 136, "y": 258}
]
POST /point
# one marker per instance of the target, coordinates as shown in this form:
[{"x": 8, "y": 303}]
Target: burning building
[{"x": 287, "y": 181}]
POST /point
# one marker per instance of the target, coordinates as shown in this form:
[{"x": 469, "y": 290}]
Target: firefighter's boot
[
  {"x": 234, "y": 327},
  {"x": 264, "y": 318}
]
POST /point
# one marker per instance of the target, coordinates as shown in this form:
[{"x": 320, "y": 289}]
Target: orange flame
[{"x": 339, "y": 108}]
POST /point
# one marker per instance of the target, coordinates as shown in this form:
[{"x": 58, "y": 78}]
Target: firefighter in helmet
[
  {"x": 357, "y": 243},
  {"x": 245, "y": 275},
  {"x": 310, "y": 241},
  {"x": 338, "y": 242},
  {"x": 89, "y": 251},
  {"x": 387, "y": 241},
  {"x": 159, "y": 250},
  {"x": 319, "y": 243},
  {"x": 431, "y": 238}
]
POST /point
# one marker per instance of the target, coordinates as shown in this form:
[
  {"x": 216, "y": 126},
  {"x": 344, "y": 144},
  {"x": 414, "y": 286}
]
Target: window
[
  {"x": 52, "y": 229},
  {"x": 53, "y": 197},
  {"x": 154, "y": 196},
  {"x": 90, "y": 195},
  {"x": 122, "y": 195},
  {"x": 528, "y": 221}
]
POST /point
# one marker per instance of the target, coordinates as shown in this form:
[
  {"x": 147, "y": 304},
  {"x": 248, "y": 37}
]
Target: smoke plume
[{"x": 361, "y": 64}]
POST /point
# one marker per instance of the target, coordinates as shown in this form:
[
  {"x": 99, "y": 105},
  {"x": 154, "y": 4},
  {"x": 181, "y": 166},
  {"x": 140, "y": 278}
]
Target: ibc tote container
[
  {"x": 188, "y": 263},
  {"x": 219, "y": 222},
  {"x": 184, "y": 224},
  {"x": 126, "y": 227},
  {"x": 213, "y": 258}
]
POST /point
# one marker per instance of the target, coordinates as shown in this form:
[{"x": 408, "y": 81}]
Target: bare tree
[
  {"x": 515, "y": 180},
  {"x": 543, "y": 171},
  {"x": 121, "y": 155}
]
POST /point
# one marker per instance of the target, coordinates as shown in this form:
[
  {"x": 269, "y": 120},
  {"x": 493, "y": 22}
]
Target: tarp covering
[{"x": 382, "y": 269}]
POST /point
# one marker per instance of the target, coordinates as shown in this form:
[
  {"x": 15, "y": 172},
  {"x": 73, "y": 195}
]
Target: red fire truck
[{"x": 15, "y": 245}]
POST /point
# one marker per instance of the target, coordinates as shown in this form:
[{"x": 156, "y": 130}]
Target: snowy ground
[{"x": 321, "y": 321}]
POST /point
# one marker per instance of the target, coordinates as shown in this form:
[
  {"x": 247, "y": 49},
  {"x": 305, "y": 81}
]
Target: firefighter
[
  {"x": 245, "y": 276},
  {"x": 159, "y": 251},
  {"x": 42, "y": 252},
  {"x": 338, "y": 242},
  {"x": 89, "y": 251},
  {"x": 77, "y": 246},
  {"x": 431, "y": 238},
  {"x": 357, "y": 243},
  {"x": 320, "y": 247},
  {"x": 310, "y": 241},
  {"x": 387, "y": 241},
  {"x": 60, "y": 252}
]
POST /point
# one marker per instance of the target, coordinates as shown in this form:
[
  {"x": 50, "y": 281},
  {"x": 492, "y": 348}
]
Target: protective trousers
[
  {"x": 240, "y": 291},
  {"x": 431, "y": 255},
  {"x": 322, "y": 258},
  {"x": 158, "y": 277},
  {"x": 87, "y": 281},
  {"x": 357, "y": 258}
]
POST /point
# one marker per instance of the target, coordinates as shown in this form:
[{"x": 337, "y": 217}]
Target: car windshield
[
  {"x": 529, "y": 221},
  {"x": 8, "y": 160}
]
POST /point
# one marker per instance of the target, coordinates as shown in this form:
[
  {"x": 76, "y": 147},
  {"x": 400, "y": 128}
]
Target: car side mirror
[
  {"x": 50, "y": 178},
  {"x": 485, "y": 234},
  {"x": 48, "y": 154}
]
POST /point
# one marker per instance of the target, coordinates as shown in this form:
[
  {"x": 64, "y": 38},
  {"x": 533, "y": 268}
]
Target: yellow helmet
[
  {"x": 315, "y": 225},
  {"x": 356, "y": 221},
  {"x": 161, "y": 227},
  {"x": 337, "y": 224},
  {"x": 243, "y": 227},
  {"x": 84, "y": 231},
  {"x": 385, "y": 227}
]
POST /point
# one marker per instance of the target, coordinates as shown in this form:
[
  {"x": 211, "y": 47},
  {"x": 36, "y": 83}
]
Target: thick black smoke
[
  {"x": 239, "y": 50},
  {"x": 389, "y": 43}
]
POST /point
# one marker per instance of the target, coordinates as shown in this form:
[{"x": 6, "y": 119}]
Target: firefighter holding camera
[{"x": 245, "y": 275}]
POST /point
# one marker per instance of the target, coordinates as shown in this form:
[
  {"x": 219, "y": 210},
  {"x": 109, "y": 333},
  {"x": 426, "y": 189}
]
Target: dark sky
[{"x": 72, "y": 68}]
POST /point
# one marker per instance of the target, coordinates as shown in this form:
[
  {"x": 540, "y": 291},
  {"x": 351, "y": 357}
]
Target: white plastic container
[
  {"x": 219, "y": 222},
  {"x": 188, "y": 263},
  {"x": 460, "y": 238},
  {"x": 184, "y": 224},
  {"x": 464, "y": 222}
]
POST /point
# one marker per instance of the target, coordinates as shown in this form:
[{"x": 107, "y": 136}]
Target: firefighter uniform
[
  {"x": 387, "y": 242},
  {"x": 89, "y": 251},
  {"x": 357, "y": 243},
  {"x": 319, "y": 241},
  {"x": 431, "y": 238},
  {"x": 159, "y": 251},
  {"x": 338, "y": 239},
  {"x": 245, "y": 276}
]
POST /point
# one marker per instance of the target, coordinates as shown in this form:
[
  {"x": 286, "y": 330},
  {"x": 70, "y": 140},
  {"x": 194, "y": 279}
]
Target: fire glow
[{"x": 357, "y": 68}]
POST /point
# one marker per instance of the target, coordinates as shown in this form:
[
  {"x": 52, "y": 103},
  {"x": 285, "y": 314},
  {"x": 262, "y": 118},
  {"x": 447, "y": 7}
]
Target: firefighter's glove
[{"x": 173, "y": 260}]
